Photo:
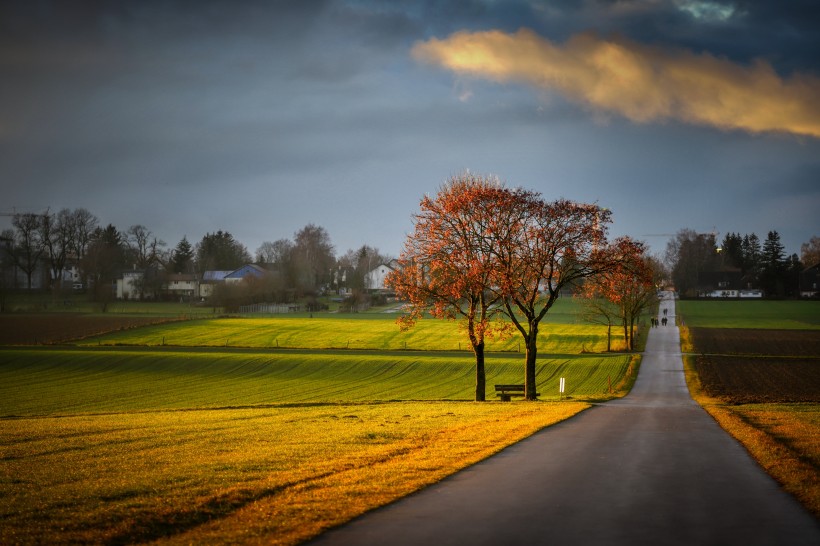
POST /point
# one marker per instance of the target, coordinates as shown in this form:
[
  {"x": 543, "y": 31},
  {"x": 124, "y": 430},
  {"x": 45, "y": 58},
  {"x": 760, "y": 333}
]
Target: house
[
  {"x": 213, "y": 278},
  {"x": 374, "y": 279},
  {"x": 726, "y": 283},
  {"x": 182, "y": 285},
  {"x": 810, "y": 282},
  {"x": 129, "y": 285},
  {"x": 209, "y": 280}
]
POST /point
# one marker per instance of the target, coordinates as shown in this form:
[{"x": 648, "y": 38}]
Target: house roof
[
  {"x": 245, "y": 270},
  {"x": 215, "y": 275},
  {"x": 182, "y": 277}
]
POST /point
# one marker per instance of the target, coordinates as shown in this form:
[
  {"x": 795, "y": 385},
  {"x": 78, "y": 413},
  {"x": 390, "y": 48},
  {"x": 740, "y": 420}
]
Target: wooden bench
[{"x": 506, "y": 392}]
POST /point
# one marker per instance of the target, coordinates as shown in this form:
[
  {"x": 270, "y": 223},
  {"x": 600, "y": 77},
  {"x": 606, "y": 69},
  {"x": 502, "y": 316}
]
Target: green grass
[
  {"x": 343, "y": 332},
  {"x": 763, "y": 314},
  {"x": 42, "y": 381}
]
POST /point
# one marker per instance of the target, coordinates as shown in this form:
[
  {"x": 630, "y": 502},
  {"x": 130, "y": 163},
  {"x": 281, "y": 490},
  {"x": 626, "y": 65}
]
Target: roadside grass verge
[
  {"x": 277, "y": 475},
  {"x": 783, "y": 437}
]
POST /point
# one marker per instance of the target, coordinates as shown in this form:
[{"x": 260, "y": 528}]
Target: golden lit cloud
[{"x": 639, "y": 82}]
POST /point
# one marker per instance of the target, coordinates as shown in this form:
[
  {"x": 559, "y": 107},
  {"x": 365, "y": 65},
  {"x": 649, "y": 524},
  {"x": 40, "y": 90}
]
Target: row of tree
[
  {"x": 481, "y": 251},
  {"x": 67, "y": 238},
  {"x": 762, "y": 265}
]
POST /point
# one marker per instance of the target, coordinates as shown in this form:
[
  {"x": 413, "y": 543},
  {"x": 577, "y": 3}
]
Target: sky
[{"x": 260, "y": 117}]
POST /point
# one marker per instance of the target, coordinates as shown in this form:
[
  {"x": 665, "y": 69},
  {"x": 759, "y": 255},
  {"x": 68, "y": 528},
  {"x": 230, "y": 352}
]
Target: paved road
[{"x": 651, "y": 468}]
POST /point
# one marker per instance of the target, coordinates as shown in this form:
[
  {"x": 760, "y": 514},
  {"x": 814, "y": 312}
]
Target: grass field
[
  {"x": 341, "y": 332},
  {"x": 226, "y": 445},
  {"x": 50, "y": 381},
  {"x": 756, "y": 314},
  {"x": 273, "y": 475},
  {"x": 750, "y": 377},
  {"x": 81, "y": 303}
]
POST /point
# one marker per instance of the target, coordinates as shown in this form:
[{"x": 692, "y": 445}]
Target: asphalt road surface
[{"x": 651, "y": 468}]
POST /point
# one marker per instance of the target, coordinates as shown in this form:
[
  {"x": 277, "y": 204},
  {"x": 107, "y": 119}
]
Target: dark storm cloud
[{"x": 259, "y": 117}]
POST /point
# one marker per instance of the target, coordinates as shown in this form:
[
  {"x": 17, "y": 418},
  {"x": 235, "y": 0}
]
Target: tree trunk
[
  {"x": 529, "y": 366},
  {"x": 626, "y": 335},
  {"x": 480, "y": 375}
]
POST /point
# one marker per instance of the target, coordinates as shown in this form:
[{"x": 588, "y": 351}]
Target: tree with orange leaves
[
  {"x": 553, "y": 246},
  {"x": 477, "y": 243},
  {"x": 448, "y": 264},
  {"x": 623, "y": 292}
]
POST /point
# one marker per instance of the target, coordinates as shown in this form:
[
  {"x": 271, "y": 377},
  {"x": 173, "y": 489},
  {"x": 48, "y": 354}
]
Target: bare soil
[
  {"x": 44, "y": 328},
  {"x": 744, "y": 341},
  {"x": 745, "y": 366}
]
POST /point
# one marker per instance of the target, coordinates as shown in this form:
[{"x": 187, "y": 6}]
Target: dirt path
[{"x": 652, "y": 468}]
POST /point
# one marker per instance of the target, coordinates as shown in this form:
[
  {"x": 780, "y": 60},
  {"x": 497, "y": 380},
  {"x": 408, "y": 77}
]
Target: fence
[{"x": 269, "y": 308}]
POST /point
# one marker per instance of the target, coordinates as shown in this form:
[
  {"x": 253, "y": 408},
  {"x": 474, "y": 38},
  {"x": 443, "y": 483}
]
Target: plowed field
[
  {"x": 744, "y": 341},
  {"x": 56, "y": 328},
  {"x": 786, "y": 367}
]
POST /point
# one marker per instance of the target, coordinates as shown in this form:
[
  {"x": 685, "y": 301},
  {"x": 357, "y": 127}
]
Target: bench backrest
[{"x": 509, "y": 388}]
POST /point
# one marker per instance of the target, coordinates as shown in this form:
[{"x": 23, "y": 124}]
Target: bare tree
[
  {"x": 28, "y": 243},
  {"x": 57, "y": 233},
  {"x": 145, "y": 248},
  {"x": 687, "y": 255},
  {"x": 313, "y": 257},
  {"x": 84, "y": 223}
]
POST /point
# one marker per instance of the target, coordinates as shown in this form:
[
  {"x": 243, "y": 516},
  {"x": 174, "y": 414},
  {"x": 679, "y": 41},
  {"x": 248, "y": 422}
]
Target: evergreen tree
[
  {"x": 732, "y": 250},
  {"x": 221, "y": 252},
  {"x": 104, "y": 260},
  {"x": 773, "y": 265},
  {"x": 182, "y": 260},
  {"x": 751, "y": 256}
]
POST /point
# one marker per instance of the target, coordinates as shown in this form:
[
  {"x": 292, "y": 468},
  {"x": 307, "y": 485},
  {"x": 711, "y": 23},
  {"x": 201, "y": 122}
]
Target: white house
[
  {"x": 374, "y": 280},
  {"x": 182, "y": 285},
  {"x": 127, "y": 288}
]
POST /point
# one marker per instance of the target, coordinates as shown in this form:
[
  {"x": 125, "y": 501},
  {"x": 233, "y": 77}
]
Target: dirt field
[
  {"x": 741, "y": 341},
  {"x": 59, "y": 328},
  {"x": 787, "y": 371}
]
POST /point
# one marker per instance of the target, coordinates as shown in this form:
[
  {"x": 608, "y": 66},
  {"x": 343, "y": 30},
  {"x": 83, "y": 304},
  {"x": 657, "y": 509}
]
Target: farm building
[
  {"x": 212, "y": 278},
  {"x": 209, "y": 280},
  {"x": 251, "y": 270}
]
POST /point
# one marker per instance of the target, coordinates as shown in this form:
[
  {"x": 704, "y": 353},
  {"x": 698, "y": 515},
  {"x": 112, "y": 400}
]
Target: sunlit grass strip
[
  {"x": 338, "y": 332},
  {"x": 51, "y": 381},
  {"x": 783, "y": 438},
  {"x": 276, "y": 475}
]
